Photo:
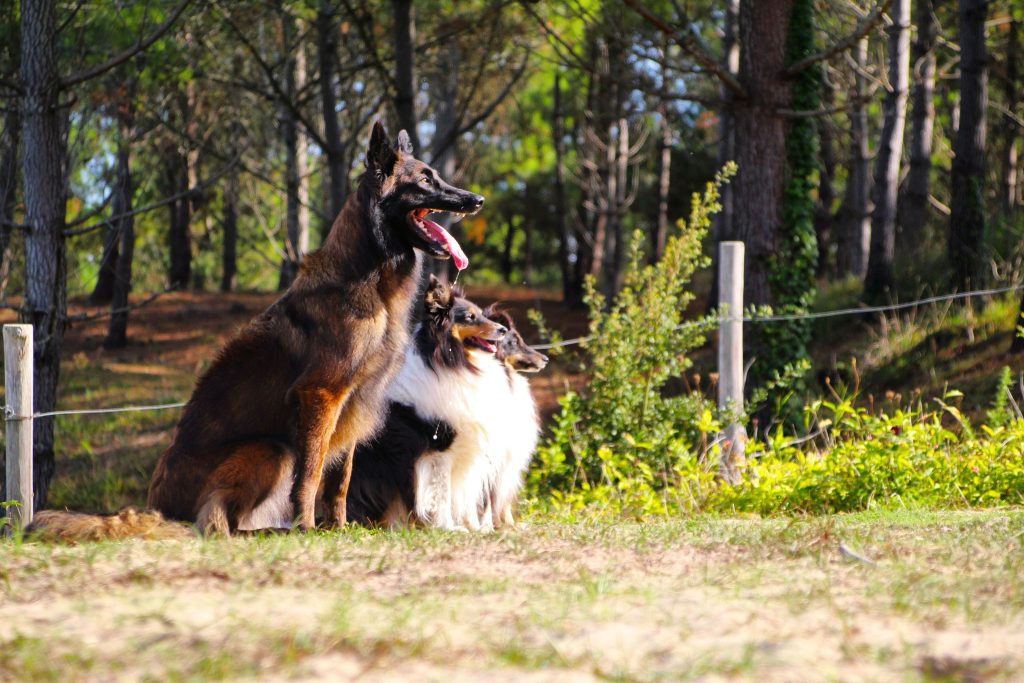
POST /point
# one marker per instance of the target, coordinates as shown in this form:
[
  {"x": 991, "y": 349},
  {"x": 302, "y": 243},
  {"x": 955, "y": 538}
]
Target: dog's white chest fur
[{"x": 450, "y": 484}]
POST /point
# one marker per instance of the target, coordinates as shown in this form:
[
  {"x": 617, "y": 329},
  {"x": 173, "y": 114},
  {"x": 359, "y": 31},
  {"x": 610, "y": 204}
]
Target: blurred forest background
[{"x": 158, "y": 145}]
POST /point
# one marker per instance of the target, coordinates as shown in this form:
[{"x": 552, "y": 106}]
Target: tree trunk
[
  {"x": 444, "y": 150},
  {"x": 967, "y": 218},
  {"x": 296, "y": 155},
  {"x": 8, "y": 190},
  {"x": 914, "y": 208},
  {"x": 1011, "y": 94},
  {"x": 571, "y": 291},
  {"x": 824, "y": 217},
  {"x": 855, "y": 215},
  {"x": 44, "y": 184},
  {"x": 327, "y": 51},
  {"x": 879, "y": 280},
  {"x": 617, "y": 251},
  {"x": 760, "y": 138},
  {"x": 229, "y": 257},
  {"x": 405, "y": 69},
  {"x": 180, "y": 238},
  {"x": 103, "y": 292},
  {"x": 117, "y": 332},
  {"x": 664, "y": 178},
  {"x": 506, "y": 255}
]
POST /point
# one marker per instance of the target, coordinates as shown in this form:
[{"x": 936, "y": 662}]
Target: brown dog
[{"x": 294, "y": 391}]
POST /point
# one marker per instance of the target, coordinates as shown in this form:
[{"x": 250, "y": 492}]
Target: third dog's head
[
  {"x": 409, "y": 190},
  {"x": 453, "y": 325},
  {"x": 512, "y": 350}
]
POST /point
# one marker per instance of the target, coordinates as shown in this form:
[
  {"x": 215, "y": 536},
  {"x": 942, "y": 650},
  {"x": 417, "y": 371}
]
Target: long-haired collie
[
  {"x": 458, "y": 438},
  {"x": 430, "y": 461},
  {"x": 523, "y": 423}
]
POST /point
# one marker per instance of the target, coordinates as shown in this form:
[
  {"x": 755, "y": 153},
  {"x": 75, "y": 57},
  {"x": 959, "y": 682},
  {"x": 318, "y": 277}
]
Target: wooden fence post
[
  {"x": 730, "y": 357},
  {"x": 18, "y": 419}
]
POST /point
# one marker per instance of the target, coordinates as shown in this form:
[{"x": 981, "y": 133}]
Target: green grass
[{"x": 742, "y": 598}]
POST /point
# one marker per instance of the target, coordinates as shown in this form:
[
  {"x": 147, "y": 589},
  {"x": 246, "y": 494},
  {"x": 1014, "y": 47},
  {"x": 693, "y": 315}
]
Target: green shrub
[{"x": 632, "y": 432}]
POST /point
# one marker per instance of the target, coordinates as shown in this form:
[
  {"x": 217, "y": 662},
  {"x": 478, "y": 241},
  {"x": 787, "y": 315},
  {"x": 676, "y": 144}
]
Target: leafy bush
[{"x": 632, "y": 427}]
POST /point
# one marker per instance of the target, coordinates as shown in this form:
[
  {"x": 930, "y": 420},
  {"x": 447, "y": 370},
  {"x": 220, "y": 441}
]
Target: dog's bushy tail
[{"x": 57, "y": 526}]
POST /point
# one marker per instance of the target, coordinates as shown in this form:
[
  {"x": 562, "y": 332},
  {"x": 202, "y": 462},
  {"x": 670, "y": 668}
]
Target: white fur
[
  {"x": 450, "y": 485},
  {"x": 275, "y": 512},
  {"x": 521, "y": 440}
]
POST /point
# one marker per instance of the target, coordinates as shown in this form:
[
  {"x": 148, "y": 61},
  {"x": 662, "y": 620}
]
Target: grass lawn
[{"x": 703, "y": 598}]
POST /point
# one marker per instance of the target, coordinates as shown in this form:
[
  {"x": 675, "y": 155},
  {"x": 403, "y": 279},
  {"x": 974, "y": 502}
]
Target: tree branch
[
  {"x": 119, "y": 59},
  {"x": 825, "y": 111},
  {"x": 487, "y": 111},
  {"x": 692, "y": 46},
  {"x": 870, "y": 20}
]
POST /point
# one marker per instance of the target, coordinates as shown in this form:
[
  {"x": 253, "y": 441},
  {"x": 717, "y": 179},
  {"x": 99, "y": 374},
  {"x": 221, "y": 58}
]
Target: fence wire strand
[{"x": 865, "y": 310}]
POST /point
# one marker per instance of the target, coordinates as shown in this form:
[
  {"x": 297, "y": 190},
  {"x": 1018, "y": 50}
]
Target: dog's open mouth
[
  {"x": 438, "y": 237},
  {"x": 481, "y": 343}
]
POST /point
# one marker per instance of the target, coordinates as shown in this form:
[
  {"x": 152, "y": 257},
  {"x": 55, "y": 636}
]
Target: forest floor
[{"x": 933, "y": 597}]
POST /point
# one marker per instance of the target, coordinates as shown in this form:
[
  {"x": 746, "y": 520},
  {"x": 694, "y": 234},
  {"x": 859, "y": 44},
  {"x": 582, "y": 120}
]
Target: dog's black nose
[
  {"x": 502, "y": 330},
  {"x": 544, "y": 359},
  {"x": 477, "y": 201}
]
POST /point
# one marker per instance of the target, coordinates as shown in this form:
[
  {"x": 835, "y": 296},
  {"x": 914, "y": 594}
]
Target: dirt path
[{"x": 701, "y": 600}]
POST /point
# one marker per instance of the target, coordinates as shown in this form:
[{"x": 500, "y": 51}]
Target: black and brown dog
[{"x": 297, "y": 388}]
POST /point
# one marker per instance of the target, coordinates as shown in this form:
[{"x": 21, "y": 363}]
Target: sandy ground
[{"x": 722, "y": 600}]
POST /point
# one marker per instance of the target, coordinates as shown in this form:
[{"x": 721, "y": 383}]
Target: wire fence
[
  {"x": 860, "y": 310},
  {"x": 864, "y": 310}
]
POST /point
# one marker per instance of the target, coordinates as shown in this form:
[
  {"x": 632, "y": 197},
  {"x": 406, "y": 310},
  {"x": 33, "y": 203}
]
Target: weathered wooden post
[
  {"x": 730, "y": 357},
  {"x": 18, "y": 419}
]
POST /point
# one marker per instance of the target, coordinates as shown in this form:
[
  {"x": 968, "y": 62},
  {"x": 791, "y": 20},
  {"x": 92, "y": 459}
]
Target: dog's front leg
[
  {"x": 336, "y": 482},
  {"x": 318, "y": 410}
]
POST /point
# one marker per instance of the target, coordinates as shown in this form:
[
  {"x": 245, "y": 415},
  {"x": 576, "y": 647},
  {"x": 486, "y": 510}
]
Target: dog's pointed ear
[
  {"x": 380, "y": 158},
  {"x": 403, "y": 145},
  {"x": 438, "y": 296}
]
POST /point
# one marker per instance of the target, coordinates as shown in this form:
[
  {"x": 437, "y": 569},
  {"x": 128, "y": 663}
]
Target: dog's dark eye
[
  {"x": 470, "y": 317},
  {"x": 425, "y": 180}
]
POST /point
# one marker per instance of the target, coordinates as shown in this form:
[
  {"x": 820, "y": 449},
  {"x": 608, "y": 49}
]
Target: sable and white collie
[
  {"x": 430, "y": 462},
  {"x": 522, "y": 423}
]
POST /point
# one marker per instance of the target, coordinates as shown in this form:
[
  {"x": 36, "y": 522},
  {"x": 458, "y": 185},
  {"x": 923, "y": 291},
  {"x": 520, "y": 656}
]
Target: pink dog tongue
[{"x": 454, "y": 249}]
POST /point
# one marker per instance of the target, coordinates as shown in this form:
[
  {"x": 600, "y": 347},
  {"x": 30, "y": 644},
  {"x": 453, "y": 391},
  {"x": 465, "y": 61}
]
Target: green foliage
[
  {"x": 856, "y": 460},
  {"x": 1000, "y": 414},
  {"x": 631, "y": 427}
]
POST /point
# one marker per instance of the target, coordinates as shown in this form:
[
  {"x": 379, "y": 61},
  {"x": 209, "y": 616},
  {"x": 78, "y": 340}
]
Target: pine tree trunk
[
  {"x": 760, "y": 138},
  {"x": 914, "y": 207},
  {"x": 1011, "y": 131},
  {"x": 44, "y": 183},
  {"x": 296, "y": 154},
  {"x": 103, "y": 292},
  {"x": 179, "y": 235},
  {"x": 664, "y": 179},
  {"x": 8, "y": 190},
  {"x": 855, "y": 215},
  {"x": 444, "y": 150},
  {"x": 879, "y": 281},
  {"x": 327, "y": 51},
  {"x": 824, "y": 217},
  {"x": 117, "y": 332},
  {"x": 567, "y": 247},
  {"x": 967, "y": 218},
  {"x": 229, "y": 257},
  {"x": 405, "y": 69}
]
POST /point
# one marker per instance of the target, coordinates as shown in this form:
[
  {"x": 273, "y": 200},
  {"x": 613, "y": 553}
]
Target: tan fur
[{"x": 55, "y": 526}]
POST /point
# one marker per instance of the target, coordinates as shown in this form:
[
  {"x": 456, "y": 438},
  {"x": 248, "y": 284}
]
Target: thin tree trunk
[
  {"x": 879, "y": 280},
  {"x": 444, "y": 148},
  {"x": 570, "y": 290},
  {"x": 405, "y": 69},
  {"x": 229, "y": 257},
  {"x": 760, "y": 137},
  {"x": 967, "y": 218},
  {"x": 855, "y": 215},
  {"x": 724, "y": 226},
  {"x": 179, "y": 236},
  {"x": 117, "y": 332},
  {"x": 824, "y": 216},
  {"x": 327, "y": 51},
  {"x": 1011, "y": 95},
  {"x": 44, "y": 183},
  {"x": 914, "y": 208},
  {"x": 664, "y": 178},
  {"x": 506, "y": 256},
  {"x": 296, "y": 154},
  {"x": 618, "y": 245},
  {"x": 8, "y": 190}
]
